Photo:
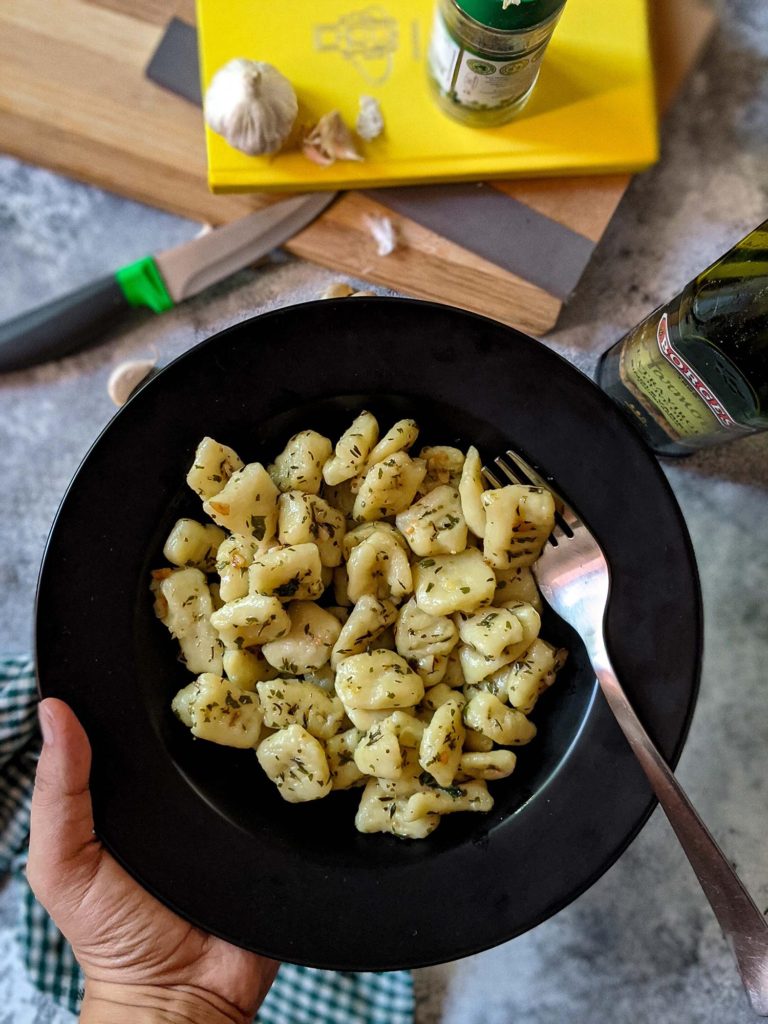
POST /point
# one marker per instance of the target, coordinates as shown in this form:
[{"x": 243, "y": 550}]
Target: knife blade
[{"x": 77, "y": 320}]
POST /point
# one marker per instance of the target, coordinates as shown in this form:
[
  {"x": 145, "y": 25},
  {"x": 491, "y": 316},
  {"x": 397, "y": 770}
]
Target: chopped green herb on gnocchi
[{"x": 361, "y": 615}]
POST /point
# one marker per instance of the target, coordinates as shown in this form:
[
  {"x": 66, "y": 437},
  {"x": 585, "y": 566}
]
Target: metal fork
[{"x": 573, "y": 577}]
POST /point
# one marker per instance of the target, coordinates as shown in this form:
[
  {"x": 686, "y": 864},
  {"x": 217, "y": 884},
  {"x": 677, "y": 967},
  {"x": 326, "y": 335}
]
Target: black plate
[{"x": 198, "y": 825}]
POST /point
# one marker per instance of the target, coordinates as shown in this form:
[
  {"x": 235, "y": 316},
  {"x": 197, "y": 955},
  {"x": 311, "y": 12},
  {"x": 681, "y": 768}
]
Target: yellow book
[{"x": 593, "y": 108}]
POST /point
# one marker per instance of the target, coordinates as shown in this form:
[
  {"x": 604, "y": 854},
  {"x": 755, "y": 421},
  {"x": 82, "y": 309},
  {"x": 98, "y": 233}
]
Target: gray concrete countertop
[{"x": 641, "y": 945}]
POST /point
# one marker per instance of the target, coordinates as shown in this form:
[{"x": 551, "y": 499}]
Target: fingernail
[{"x": 46, "y": 724}]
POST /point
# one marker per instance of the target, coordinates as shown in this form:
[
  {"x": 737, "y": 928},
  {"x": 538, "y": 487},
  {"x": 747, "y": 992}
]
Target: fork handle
[{"x": 745, "y": 928}]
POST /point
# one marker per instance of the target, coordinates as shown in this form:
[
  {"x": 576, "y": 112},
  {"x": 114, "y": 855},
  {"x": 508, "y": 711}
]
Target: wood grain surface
[{"x": 74, "y": 98}]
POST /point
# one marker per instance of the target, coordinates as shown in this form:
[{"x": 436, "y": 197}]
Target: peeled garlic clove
[
  {"x": 330, "y": 140},
  {"x": 370, "y": 120},
  {"x": 126, "y": 377},
  {"x": 252, "y": 105},
  {"x": 337, "y": 290}
]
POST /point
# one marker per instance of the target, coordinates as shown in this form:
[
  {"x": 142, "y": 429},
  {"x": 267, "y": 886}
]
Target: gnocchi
[{"x": 360, "y": 616}]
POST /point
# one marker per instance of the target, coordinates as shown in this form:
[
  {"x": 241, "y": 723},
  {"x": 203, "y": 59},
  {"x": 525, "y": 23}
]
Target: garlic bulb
[
  {"x": 252, "y": 105},
  {"x": 330, "y": 140}
]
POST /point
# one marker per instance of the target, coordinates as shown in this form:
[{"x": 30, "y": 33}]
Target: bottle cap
[{"x": 517, "y": 15}]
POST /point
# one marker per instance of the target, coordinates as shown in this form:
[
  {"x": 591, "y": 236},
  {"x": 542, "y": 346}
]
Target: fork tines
[{"x": 524, "y": 473}]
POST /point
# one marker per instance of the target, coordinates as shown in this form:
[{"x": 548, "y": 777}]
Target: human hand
[{"x": 141, "y": 962}]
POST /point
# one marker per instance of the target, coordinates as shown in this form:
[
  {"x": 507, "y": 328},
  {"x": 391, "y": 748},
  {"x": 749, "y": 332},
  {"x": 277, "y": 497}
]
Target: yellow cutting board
[{"x": 593, "y": 109}]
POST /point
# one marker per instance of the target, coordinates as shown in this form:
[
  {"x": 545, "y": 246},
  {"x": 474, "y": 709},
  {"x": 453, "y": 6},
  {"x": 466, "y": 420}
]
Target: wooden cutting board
[{"x": 74, "y": 98}]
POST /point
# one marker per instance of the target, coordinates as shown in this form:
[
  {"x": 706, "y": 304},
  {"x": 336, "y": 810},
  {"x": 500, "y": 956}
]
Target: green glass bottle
[
  {"x": 485, "y": 55},
  {"x": 695, "y": 372}
]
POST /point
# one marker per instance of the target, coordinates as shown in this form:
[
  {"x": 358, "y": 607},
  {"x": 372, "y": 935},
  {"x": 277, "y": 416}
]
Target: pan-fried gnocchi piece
[
  {"x": 308, "y": 519},
  {"x": 454, "y": 677},
  {"x": 247, "y": 504},
  {"x": 420, "y": 635},
  {"x": 453, "y": 583},
  {"x": 294, "y": 702},
  {"x": 431, "y": 668},
  {"x": 505, "y": 726},
  {"x": 379, "y": 566},
  {"x": 435, "y": 524},
  {"x": 364, "y": 720},
  {"x": 491, "y": 630},
  {"x": 377, "y": 681},
  {"x": 438, "y": 695},
  {"x": 444, "y": 465},
  {"x": 385, "y": 641},
  {"x": 515, "y": 585},
  {"x": 194, "y": 544},
  {"x": 476, "y": 742},
  {"x": 340, "y": 751},
  {"x": 411, "y": 775},
  {"x": 467, "y": 796},
  {"x": 246, "y": 668},
  {"x": 529, "y": 619},
  {"x": 362, "y": 532},
  {"x": 233, "y": 557},
  {"x": 471, "y": 487},
  {"x": 250, "y": 620},
  {"x": 292, "y": 573},
  {"x": 217, "y": 710},
  {"x": 417, "y": 705},
  {"x": 494, "y": 684},
  {"x": 408, "y": 729},
  {"x": 476, "y": 667},
  {"x": 379, "y": 753},
  {"x": 295, "y": 761},
  {"x": 388, "y": 487},
  {"x": 398, "y": 438},
  {"x": 475, "y": 664},
  {"x": 369, "y": 618},
  {"x": 352, "y": 450},
  {"x": 340, "y": 583},
  {"x": 340, "y": 496},
  {"x": 308, "y": 643},
  {"x": 183, "y": 604},
  {"x": 518, "y": 521},
  {"x": 495, "y": 764},
  {"x": 339, "y": 611},
  {"x": 324, "y": 677},
  {"x": 299, "y": 466},
  {"x": 381, "y": 812},
  {"x": 383, "y": 750},
  {"x": 531, "y": 674},
  {"x": 213, "y": 465},
  {"x": 442, "y": 741}
]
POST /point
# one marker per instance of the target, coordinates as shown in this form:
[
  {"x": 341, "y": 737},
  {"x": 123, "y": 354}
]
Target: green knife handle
[{"x": 79, "y": 319}]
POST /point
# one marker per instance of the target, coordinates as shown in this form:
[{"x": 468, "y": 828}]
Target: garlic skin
[
  {"x": 330, "y": 140},
  {"x": 252, "y": 105},
  {"x": 383, "y": 231},
  {"x": 370, "y": 120}
]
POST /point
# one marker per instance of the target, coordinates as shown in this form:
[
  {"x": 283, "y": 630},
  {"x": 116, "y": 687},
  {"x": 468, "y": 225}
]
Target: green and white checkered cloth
[{"x": 299, "y": 995}]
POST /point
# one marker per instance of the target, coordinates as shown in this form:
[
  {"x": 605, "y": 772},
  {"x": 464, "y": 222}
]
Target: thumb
[{"x": 63, "y": 851}]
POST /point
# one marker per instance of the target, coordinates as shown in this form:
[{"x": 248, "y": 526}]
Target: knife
[{"x": 77, "y": 320}]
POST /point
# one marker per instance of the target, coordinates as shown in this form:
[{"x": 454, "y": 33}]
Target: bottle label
[
  {"x": 474, "y": 80},
  {"x": 686, "y": 371},
  {"x": 669, "y": 390}
]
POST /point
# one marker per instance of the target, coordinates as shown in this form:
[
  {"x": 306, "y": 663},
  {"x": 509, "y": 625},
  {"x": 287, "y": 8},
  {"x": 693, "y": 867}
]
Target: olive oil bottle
[{"x": 695, "y": 372}]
